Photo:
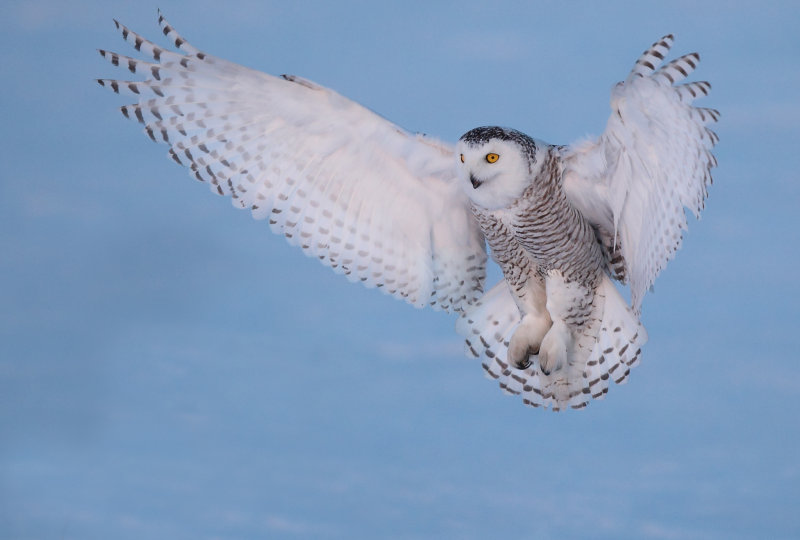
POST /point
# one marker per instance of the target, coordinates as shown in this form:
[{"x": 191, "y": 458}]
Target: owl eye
[
  {"x": 491, "y": 158},
  {"x": 462, "y": 158}
]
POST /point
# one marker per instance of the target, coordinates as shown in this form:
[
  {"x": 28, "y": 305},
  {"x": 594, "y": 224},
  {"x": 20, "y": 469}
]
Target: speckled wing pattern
[
  {"x": 362, "y": 195},
  {"x": 653, "y": 159}
]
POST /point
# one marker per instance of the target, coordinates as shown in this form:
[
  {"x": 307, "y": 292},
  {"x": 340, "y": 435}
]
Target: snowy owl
[{"x": 412, "y": 215}]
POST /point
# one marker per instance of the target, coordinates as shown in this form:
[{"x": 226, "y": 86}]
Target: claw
[
  {"x": 523, "y": 365},
  {"x": 526, "y": 340},
  {"x": 525, "y": 361}
]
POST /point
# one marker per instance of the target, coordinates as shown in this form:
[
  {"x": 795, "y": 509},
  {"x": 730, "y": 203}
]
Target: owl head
[{"x": 496, "y": 165}]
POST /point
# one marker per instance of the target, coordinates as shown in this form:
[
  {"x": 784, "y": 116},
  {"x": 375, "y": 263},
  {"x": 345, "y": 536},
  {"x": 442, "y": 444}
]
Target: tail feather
[{"x": 606, "y": 350}]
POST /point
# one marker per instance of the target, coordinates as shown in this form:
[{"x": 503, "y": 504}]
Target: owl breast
[{"x": 541, "y": 231}]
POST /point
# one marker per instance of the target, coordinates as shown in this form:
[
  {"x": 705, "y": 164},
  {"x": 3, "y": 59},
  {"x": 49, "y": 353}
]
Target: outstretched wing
[
  {"x": 653, "y": 159},
  {"x": 367, "y": 198}
]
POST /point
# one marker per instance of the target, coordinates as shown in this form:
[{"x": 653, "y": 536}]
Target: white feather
[
  {"x": 607, "y": 348},
  {"x": 653, "y": 159},
  {"x": 385, "y": 208},
  {"x": 364, "y": 196}
]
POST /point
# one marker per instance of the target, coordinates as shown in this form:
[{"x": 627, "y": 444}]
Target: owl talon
[
  {"x": 525, "y": 362},
  {"x": 524, "y": 365},
  {"x": 526, "y": 340}
]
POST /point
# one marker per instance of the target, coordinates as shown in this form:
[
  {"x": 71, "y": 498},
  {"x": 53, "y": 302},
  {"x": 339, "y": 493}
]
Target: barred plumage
[
  {"x": 609, "y": 209},
  {"x": 403, "y": 213},
  {"x": 658, "y": 186}
]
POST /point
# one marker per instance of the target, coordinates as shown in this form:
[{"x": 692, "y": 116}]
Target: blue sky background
[{"x": 170, "y": 369}]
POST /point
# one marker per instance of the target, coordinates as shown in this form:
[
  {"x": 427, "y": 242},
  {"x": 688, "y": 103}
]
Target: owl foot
[
  {"x": 523, "y": 361},
  {"x": 553, "y": 350},
  {"x": 526, "y": 340}
]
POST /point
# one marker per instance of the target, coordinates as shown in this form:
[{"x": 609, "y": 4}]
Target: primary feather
[
  {"x": 653, "y": 159},
  {"x": 401, "y": 212},
  {"x": 362, "y": 195}
]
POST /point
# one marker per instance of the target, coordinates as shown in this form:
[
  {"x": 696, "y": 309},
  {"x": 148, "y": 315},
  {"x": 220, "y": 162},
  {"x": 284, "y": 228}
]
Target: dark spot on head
[{"x": 482, "y": 135}]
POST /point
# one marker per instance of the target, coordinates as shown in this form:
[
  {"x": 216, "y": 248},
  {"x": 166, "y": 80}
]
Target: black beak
[{"x": 475, "y": 181}]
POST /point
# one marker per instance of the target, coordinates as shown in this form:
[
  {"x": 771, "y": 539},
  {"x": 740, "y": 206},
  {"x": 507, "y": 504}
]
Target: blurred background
[{"x": 170, "y": 369}]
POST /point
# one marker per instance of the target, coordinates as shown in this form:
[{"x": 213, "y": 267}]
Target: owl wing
[
  {"x": 362, "y": 195},
  {"x": 653, "y": 159}
]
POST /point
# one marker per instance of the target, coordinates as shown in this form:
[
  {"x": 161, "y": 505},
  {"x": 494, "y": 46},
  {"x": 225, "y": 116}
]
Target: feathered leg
[
  {"x": 569, "y": 304},
  {"x": 527, "y": 338}
]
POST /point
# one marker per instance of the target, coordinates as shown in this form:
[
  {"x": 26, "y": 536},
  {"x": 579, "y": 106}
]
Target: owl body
[
  {"x": 412, "y": 215},
  {"x": 550, "y": 254}
]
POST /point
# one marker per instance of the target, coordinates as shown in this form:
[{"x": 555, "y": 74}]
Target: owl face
[{"x": 495, "y": 165}]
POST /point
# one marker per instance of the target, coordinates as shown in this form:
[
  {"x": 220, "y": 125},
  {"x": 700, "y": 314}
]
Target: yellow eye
[
  {"x": 462, "y": 158},
  {"x": 491, "y": 158}
]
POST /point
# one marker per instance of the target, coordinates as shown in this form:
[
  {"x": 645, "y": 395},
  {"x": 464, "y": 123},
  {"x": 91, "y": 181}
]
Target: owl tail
[
  {"x": 606, "y": 349},
  {"x": 610, "y": 344}
]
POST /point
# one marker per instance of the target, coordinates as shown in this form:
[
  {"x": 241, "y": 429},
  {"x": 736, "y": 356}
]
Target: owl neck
[{"x": 546, "y": 189}]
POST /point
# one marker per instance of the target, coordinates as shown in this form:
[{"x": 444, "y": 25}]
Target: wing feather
[
  {"x": 362, "y": 195},
  {"x": 653, "y": 159}
]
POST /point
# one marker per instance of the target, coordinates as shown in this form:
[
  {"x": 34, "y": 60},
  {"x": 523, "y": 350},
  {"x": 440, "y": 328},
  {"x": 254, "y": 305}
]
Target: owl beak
[{"x": 475, "y": 181}]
